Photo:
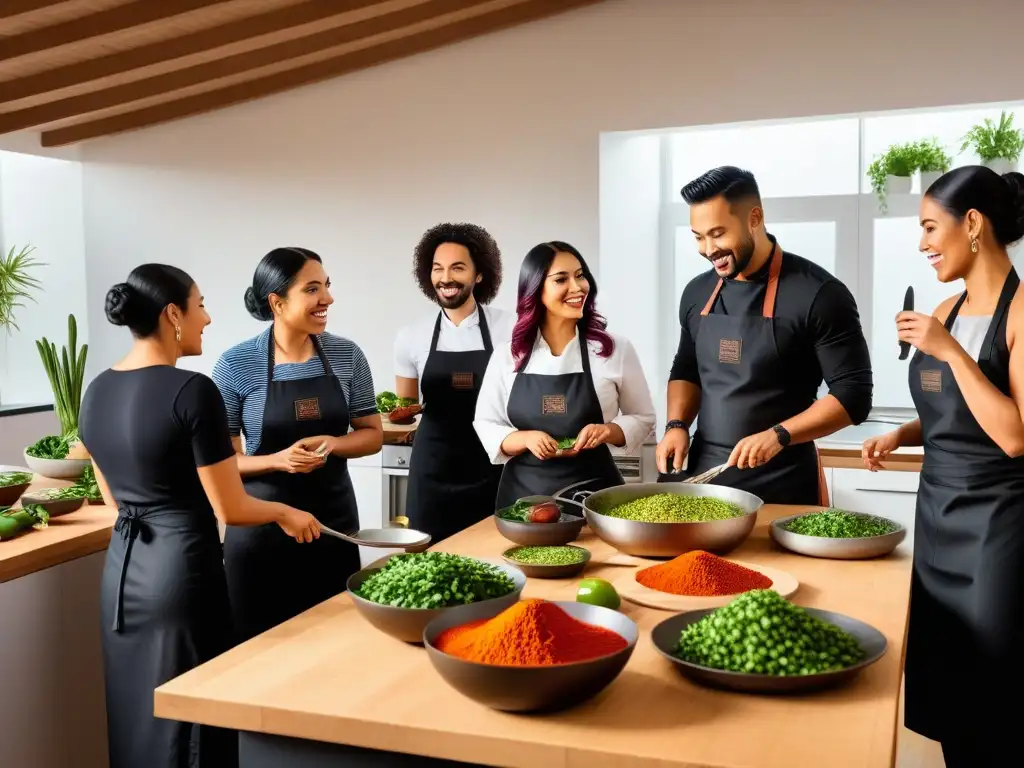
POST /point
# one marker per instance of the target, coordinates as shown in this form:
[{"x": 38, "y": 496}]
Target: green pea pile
[
  {"x": 675, "y": 508},
  {"x": 435, "y": 580},
  {"x": 760, "y": 632},
  {"x": 548, "y": 555},
  {"x": 839, "y": 524}
]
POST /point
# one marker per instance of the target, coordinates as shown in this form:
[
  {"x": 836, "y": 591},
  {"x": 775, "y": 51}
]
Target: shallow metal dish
[
  {"x": 531, "y": 689},
  {"x": 407, "y": 623},
  {"x": 538, "y": 571},
  {"x": 565, "y": 530},
  {"x": 836, "y": 549},
  {"x": 666, "y": 638},
  {"x": 54, "y": 507},
  {"x": 670, "y": 539}
]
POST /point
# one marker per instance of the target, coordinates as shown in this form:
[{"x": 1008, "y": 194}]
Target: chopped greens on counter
[
  {"x": 87, "y": 483},
  {"x": 434, "y": 580},
  {"x": 8, "y": 479},
  {"x": 52, "y": 447},
  {"x": 760, "y": 632},
  {"x": 388, "y": 401},
  {"x": 16, "y": 521},
  {"x": 675, "y": 508},
  {"x": 527, "y": 512},
  {"x": 566, "y": 443},
  {"x": 547, "y": 555},
  {"x": 59, "y": 494},
  {"x": 840, "y": 524}
]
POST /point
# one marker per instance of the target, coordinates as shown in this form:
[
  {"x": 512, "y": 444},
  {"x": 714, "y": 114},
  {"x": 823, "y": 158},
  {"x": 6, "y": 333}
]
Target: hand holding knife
[{"x": 908, "y": 306}]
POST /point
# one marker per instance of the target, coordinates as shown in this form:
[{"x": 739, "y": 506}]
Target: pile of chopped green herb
[
  {"x": 547, "y": 555},
  {"x": 388, "y": 401},
  {"x": 839, "y": 524},
  {"x": 675, "y": 508},
  {"x": 52, "y": 447},
  {"x": 760, "y": 632},
  {"x": 435, "y": 580},
  {"x": 566, "y": 443},
  {"x": 8, "y": 479}
]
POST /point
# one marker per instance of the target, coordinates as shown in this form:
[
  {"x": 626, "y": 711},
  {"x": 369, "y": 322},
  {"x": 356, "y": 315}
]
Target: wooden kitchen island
[{"x": 327, "y": 689}]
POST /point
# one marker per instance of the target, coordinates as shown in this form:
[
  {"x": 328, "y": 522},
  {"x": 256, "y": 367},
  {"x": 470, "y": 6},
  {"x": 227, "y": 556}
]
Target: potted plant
[
  {"x": 932, "y": 161},
  {"x": 997, "y": 145},
  {"x": 891, "y": 172},
  {"x": 62, "y": 456},
  {"x": 16, "y": 285}
]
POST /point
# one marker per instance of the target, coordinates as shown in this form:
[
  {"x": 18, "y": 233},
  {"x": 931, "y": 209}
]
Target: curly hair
[{"x": 483, "y": 250}]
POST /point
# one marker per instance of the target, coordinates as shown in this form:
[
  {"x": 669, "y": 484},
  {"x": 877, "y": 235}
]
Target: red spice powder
[
  {"x": 531, "y": 633},
  {"x": 701, "y": 574}
]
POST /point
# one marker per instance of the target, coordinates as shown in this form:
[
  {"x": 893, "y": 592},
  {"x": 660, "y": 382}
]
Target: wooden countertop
[
  {"x": 850, "y": 458},
  {"x": 327, "y": 675},
  {"x": 67, "y": 537}
]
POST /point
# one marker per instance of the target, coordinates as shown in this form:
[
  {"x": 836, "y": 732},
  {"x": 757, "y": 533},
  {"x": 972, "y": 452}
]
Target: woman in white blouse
[{"x": 562, "y": 377}]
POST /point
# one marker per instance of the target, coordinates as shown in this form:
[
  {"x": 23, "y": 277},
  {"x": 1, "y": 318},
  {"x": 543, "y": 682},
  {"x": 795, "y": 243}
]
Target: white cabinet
[
  {"x": 887, "y": 494},
  {"x": 366, "y": 480}
]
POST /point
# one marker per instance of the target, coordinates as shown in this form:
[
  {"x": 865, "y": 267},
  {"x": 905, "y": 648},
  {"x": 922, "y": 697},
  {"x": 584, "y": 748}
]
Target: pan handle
[{"x": 575, "y": 496}]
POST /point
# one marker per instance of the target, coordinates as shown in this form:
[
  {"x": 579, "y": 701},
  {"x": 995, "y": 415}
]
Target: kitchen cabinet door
[
  {"x": 887, "y": 494},
  {"x": 366, "y": 480}
]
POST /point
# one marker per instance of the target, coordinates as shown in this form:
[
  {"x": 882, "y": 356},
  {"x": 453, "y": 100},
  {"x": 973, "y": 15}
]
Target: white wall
[{"x": 503, "y": 131}]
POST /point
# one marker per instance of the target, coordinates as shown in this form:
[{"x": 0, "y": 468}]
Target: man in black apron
[
  {"x": 271, "y": 577},
  {"x": 560, "y": 404},
  {"x": 964, "y": 663},
  {"x": 759, "y": 333}
]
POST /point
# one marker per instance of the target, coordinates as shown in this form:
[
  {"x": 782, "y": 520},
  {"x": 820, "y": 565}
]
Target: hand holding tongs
[{"x": 705, "y": 477}]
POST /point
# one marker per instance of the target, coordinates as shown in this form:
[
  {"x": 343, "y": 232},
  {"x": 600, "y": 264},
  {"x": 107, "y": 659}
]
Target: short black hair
[
  {"x": 483, "y": 250},
  {"x": 730, "y": 182}
]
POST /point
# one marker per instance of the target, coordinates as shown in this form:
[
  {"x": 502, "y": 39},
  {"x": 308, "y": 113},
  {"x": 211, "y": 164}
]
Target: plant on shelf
[
  {"x": 66, "y": 373},
  {"x": 993, "y": 142},
  {"x": 899, "y": 161},
  {"x": 932, "y": 157}
]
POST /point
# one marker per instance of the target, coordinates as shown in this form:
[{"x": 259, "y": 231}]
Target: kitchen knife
[{"x": 908, "y": 306}]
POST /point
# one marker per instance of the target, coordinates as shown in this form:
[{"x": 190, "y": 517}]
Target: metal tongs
[{"x": 708, "y": 476}]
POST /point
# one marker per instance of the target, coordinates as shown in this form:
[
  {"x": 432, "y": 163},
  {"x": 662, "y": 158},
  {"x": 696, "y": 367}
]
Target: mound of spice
[
  {"x": 531, "y": 633},
  {"x": 839, "y": 524},
  {"x": 675, "y": 508},
  {"x": 547, "y": 555},
  {"x": 701, "y": 574}
]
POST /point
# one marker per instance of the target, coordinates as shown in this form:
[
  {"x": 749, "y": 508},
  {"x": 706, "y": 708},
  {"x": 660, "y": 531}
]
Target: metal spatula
[{"x": 705, "y": 477}]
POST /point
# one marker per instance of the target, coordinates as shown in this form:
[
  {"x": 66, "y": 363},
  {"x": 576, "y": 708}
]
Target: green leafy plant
[
  {"x": 995, "y": 141},
  {"x": 932, "y": 157},
  {"x": 66, "y": 373},
  {"x": 16, "y": 284},
  {"x": 902, "y": 160}
]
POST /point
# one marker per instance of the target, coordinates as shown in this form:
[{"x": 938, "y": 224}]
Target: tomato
[{"x": 547, "y": 512}]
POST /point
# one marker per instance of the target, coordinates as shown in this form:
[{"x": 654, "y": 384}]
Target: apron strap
[
  {"x": 774, "y": 269},
  {"x": 127, "y": 526},
  {"x": 437, "y": 333},
  {"x": 1002, "y": 307},
  {"x": 485, "y": 332},
  {"x": 955, "y": 310},
  {"x": 316, "y": 347},
  {"x": 711, "y": 299}
]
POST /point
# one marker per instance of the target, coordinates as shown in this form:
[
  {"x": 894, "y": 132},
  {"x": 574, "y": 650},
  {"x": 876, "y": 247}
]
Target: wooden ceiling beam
[
  {"x": 175, "y": 48},
  {"x": 106, "y": 22},
  {"x": 208, "y": 101},
  {"x": 12, "y": 8},
  {"x": 228, "y": 66}
]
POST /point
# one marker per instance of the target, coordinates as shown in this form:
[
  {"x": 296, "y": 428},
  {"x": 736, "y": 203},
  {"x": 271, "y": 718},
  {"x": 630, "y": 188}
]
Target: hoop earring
[
  {"x": 974, "y": 245},
  {"x": 177, "y": 334}
]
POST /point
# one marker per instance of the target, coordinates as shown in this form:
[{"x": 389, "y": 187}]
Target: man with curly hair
[{"x": 441, "y": 359}]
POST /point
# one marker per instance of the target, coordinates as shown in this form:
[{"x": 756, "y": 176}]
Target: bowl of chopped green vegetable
[
  {"x": 837, "y": 534},
  {"x": 559, "y": 562},
  {"x": 47, "y": 457},
  {"x": 14, "y": 481},
  {"x": 401, "y": 596},
  {"x": 539, "y": 521},
  {"x": 762, "y": 643},
  {"x": 56, "y": 501},
  {"x": 668, "y": 519}
]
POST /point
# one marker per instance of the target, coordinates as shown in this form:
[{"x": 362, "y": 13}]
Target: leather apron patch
[
  {"x": 308, "y": 409},
  {"x": 729, "y": 351},
  {"x": 931, "y": 381},
  {"x": 553, "y": 405},
  {"x": 462, "y": 381}
]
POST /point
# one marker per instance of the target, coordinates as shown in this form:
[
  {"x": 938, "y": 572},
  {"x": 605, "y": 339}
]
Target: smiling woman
[{"x": 303, "y": 400}]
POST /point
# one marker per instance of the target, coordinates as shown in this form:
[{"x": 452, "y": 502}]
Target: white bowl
[{"x": 57, "y": 469}]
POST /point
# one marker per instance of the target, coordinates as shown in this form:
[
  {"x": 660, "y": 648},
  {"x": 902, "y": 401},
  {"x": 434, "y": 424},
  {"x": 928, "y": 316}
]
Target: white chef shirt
[
  {"x": 618, "y": 379},
  {"x": 412, "y": 344}
]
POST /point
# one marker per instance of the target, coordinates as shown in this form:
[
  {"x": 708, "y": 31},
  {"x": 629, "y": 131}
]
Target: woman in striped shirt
[{"x": 303, "y": 400}]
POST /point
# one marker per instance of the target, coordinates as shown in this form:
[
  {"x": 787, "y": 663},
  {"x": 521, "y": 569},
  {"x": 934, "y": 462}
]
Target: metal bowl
[
  {"x": 407, "y": 623},
  {"x": 54, "y": 507},
  {"x": 670, "y": 539},
  {"x": 836, "y": 549},
  {"x": 531, "y": 689},
  {"x": 566, "y": 529},
  {"x": 666, "y": 638},
  {"x": 538, "y": 571}
]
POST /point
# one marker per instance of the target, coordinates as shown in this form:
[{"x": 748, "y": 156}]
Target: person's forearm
[
  {"x": 825, "y": 417},
  {"x": 683, "y": 401},
  {"x": 364, "y": 441},
  {"x": 515, "y": 443},
  {"x": 617, "y": 437},
  {"x": 997, "y": 414},
  {"x": 909, "y": 434},
  {"x": 254, "y": 511},
  {"x": 248, "y": 466}
]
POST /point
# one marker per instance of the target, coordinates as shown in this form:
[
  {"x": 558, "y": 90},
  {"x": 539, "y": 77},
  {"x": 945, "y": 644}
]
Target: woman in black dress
[
  {"x": 163, "y": 456},
  {"x": 964, "y": 647}
]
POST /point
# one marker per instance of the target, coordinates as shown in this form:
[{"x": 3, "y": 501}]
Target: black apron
[
  {"x": 165, "y": 611},
  {"x": 560, "y": 405},
  {"x": 452, "y": 482},
  {"x": 745, "y": 390},
  {"x": 272, "y": 577},
  {"x": 964, "y": 660}
]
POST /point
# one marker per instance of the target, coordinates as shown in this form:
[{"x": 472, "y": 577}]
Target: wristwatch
[
  {"x": 783, "y": 434},
  {"x": 677, "y": 424}
]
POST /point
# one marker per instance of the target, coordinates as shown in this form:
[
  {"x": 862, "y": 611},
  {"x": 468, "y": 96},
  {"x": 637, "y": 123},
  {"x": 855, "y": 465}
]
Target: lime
[{"x": 598, "y": 592}]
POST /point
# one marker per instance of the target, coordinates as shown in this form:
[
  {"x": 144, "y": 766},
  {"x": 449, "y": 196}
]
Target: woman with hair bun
[
  {"x": 304, "y": 402},
  {"x": 563, "y": 377},
  {"x": 967, "y": 380},
  {"x": 160, "y": 446}
]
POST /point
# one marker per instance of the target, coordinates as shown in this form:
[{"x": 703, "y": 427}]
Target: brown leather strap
[
  {"x": 711, "y": 301},
  {"x": 773, "y": 283}
]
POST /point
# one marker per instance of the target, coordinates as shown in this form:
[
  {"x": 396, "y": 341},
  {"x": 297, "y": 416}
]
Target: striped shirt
[{"x": 241, "y": 376}]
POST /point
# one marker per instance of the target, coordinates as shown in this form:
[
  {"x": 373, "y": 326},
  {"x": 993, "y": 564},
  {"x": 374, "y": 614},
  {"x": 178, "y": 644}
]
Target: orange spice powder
[
  {"x": 701, "y": 574},
  {"x": 530, "y": 633}
]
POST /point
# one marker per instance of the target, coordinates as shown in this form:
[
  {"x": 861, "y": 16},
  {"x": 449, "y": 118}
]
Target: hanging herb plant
[
  {"x": 995, "y": 141},
  {"x": 899, "y": 160},
  {"x": 16, "y": 284},
  {"x": 66, "y": 373}
]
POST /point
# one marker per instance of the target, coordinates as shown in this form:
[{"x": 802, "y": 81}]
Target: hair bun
[
  {"x": 258, "y": 309},
  {"x": 1014, "y": 182},
  {"x": 118, "y": 305}
]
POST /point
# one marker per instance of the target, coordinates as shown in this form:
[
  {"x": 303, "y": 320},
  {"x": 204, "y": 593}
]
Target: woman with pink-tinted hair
[{"x": 563, "y": 390}]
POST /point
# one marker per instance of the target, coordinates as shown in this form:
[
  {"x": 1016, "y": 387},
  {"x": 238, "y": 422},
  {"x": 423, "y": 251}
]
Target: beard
[
  {"x": 738, "y": 260},
  {"x": 458, "y": 299}
]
